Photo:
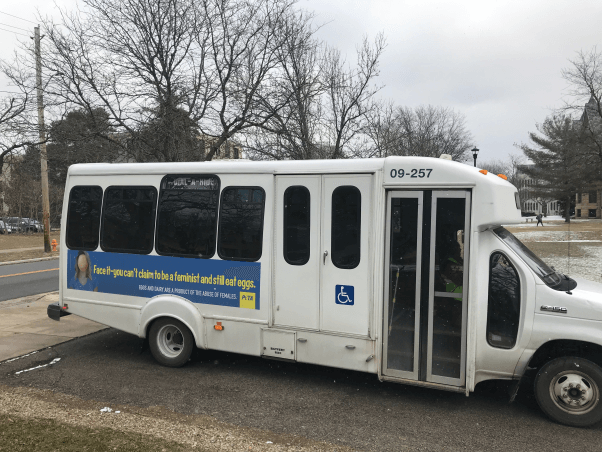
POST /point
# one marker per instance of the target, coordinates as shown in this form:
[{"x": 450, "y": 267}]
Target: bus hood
[{"x": 585, "y": 301}]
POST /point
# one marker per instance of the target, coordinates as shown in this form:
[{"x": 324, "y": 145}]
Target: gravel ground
[{"x": 194, "y": 432}]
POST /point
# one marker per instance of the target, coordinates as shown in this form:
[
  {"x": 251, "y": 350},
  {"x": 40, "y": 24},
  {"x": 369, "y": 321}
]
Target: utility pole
[{"x": 42, "y": 132}]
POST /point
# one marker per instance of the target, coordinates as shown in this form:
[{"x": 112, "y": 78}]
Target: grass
[
  {"x": 589, "y": 230},
  {"x": 31, "y": 240},
  {"x": 22, "y": 242},
  {"x": 31, "y": 434}
]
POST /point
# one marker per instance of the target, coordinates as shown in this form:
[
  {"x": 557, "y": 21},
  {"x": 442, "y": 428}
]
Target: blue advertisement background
[{"x": 208, "y": 281}]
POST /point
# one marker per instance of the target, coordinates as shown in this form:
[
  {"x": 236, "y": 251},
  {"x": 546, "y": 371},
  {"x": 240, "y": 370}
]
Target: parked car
[
  {"x": 14, "y": 223},
  {"x": 29, "y": 225},
  {"x": 2, "y": 227}
]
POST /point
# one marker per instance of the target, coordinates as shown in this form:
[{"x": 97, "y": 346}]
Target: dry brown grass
[
  {"x": 24, "y": 242},
  {"x": 16, "y": 241}
]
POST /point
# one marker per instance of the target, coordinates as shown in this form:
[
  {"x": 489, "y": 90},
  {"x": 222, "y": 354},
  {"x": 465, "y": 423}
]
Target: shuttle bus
[{"x": 400, "y": 267}]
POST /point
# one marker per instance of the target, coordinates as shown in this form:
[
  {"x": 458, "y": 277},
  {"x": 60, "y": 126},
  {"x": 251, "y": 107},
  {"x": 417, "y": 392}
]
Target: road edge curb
[{"x": 25, "y": 261}]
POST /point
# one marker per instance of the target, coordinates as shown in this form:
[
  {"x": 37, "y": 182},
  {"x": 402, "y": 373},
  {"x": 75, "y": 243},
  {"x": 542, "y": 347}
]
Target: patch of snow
[{"x": 587, "y": 267}]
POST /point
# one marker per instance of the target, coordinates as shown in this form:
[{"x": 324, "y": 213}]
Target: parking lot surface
[{"x": 319, "y": 403}]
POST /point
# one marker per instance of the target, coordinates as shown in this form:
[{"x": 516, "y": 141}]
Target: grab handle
[{"x": 325, "y": 254}]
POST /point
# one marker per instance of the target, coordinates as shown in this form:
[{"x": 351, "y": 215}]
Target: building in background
[
  {"x": 587, "y": 205},
  {"x": 530, "y": 203}
]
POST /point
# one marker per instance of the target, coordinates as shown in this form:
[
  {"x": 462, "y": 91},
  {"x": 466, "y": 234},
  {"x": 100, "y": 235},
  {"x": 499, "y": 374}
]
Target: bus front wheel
[
  {"x": 568, "y": 391},
  {"x": 171, "y": 342}
]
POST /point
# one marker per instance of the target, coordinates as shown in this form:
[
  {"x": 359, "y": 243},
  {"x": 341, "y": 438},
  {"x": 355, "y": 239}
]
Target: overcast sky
[{"x": 497, "y": 62}]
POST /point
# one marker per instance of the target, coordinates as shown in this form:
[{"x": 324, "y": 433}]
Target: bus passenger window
[
  {"x": 296, "y": 225},
  {"x": 187, "y": 215},
  {"x": 345, "y": 227},
  {"x": 83, "y": 218},
  {"x": 503, "y": 312},
  {"x": 128, "y": 220},
  {"x": 241, "y": 223}
]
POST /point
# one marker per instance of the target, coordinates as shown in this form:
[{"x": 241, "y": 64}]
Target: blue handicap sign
[{"x": 344, "y": 295}]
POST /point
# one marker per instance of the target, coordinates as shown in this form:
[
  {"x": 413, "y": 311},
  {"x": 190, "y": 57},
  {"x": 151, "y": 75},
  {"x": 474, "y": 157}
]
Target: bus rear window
[
  {"x": 83, "y": 217},
  {"x": 128, "y": 220}
]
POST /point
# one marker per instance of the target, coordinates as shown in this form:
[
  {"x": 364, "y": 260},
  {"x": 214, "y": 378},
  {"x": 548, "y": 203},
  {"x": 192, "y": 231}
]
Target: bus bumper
[{"x": 55, "y": 312}]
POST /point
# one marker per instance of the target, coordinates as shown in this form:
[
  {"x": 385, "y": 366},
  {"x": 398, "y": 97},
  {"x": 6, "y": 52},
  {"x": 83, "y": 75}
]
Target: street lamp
[{"x": 475, "y": 151}]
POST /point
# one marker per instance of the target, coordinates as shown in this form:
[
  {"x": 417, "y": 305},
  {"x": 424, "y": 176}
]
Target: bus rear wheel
[
  {"x": 568, "y": 391},
  {"x": 171, "y": 342}
]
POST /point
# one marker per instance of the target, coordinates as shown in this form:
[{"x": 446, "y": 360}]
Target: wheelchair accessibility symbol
[{"x": 344, "y": 295}]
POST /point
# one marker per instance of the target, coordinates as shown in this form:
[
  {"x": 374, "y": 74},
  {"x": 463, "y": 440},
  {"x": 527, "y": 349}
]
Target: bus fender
[{"x": 176, "y": 307}]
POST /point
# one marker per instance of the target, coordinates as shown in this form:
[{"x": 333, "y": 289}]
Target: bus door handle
[{"x": 325, "y": 254}]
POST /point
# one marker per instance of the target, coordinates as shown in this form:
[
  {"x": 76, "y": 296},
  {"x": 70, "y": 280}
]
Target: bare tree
[
  {"x": 293, "y": 131},
  {"x": 17, "y": 129},
  {"x": 584, "y": 76},
  {"x": 349, "y": 93},
  {"x": 134, "y": 59},
  {"x": 149, "y": 62},
  {"x": 244, "y": 41},
  {"x": 510, "y": 167},
  {"x": 383, "y": 130},
  {"x": 325, "y": 100},
  {"x": 426, "y": 131}
]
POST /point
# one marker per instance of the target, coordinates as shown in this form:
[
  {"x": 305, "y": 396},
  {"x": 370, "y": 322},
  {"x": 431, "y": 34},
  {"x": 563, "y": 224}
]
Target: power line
[
  {"x": 17, "y": 17},
  {"x": 15, "y": 32},
  {"x": 12, "y": 26}
]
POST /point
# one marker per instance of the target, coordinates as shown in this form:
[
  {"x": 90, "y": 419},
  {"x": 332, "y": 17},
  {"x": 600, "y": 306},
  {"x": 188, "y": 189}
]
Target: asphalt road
[
  {"x": 21, "y": 280},
  {"x": 320, "y": 403}
]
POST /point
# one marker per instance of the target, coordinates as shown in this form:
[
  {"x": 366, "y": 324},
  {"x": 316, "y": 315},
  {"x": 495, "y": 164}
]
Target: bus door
[
  {"x": 322, "y": 259},
  {"x": 426, "y": 279}
]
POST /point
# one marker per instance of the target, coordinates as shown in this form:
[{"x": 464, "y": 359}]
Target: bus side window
[
  {"x": 187, "y": 215},
  {"x": 128, "y": 220},
  {"x": 503, "y": 313},
  {"x": 296, "y": 225},
  {"x": 83, "y": 217},
  {"x": 240, "y": 235},
  {"x": 345, "y": 227}
]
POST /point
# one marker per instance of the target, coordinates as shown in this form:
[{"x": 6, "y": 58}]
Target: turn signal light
[
  {"x": 218, "y": 326},
  {"x": 484, "y": 171},
  {"x": 502, "y": 176}
]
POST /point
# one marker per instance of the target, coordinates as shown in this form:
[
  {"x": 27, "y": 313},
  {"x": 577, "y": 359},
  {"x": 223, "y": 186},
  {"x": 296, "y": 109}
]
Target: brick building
[{"x": 587, "y": 205}]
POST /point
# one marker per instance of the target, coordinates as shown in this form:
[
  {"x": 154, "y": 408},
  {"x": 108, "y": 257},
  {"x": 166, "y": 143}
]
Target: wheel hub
[
  {"x": 170, "y": 340},
  {"x": 574, "y": 391}
]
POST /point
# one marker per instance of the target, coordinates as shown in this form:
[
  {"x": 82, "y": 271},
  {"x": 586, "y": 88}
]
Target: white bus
[{"x": 398, "y": 267}]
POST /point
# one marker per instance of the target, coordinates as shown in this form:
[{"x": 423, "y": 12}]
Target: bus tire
[
  {"x": 568, "y": 391},
  {"x": 171, "y": 342}
]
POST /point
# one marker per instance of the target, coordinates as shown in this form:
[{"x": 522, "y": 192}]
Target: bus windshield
[{"x": 548, "y": 275}]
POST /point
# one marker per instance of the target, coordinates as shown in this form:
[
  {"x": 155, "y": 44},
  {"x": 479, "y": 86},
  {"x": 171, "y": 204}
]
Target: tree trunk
[{"x": 567, "y": 210}]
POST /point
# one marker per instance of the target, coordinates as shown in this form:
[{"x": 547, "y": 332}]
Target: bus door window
[
  {"x": 346, "y": 222},
  {"x": 296, "y": 223},
  {"x": 448, "y": 280},
  {"x": 402, "y": 284}
]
